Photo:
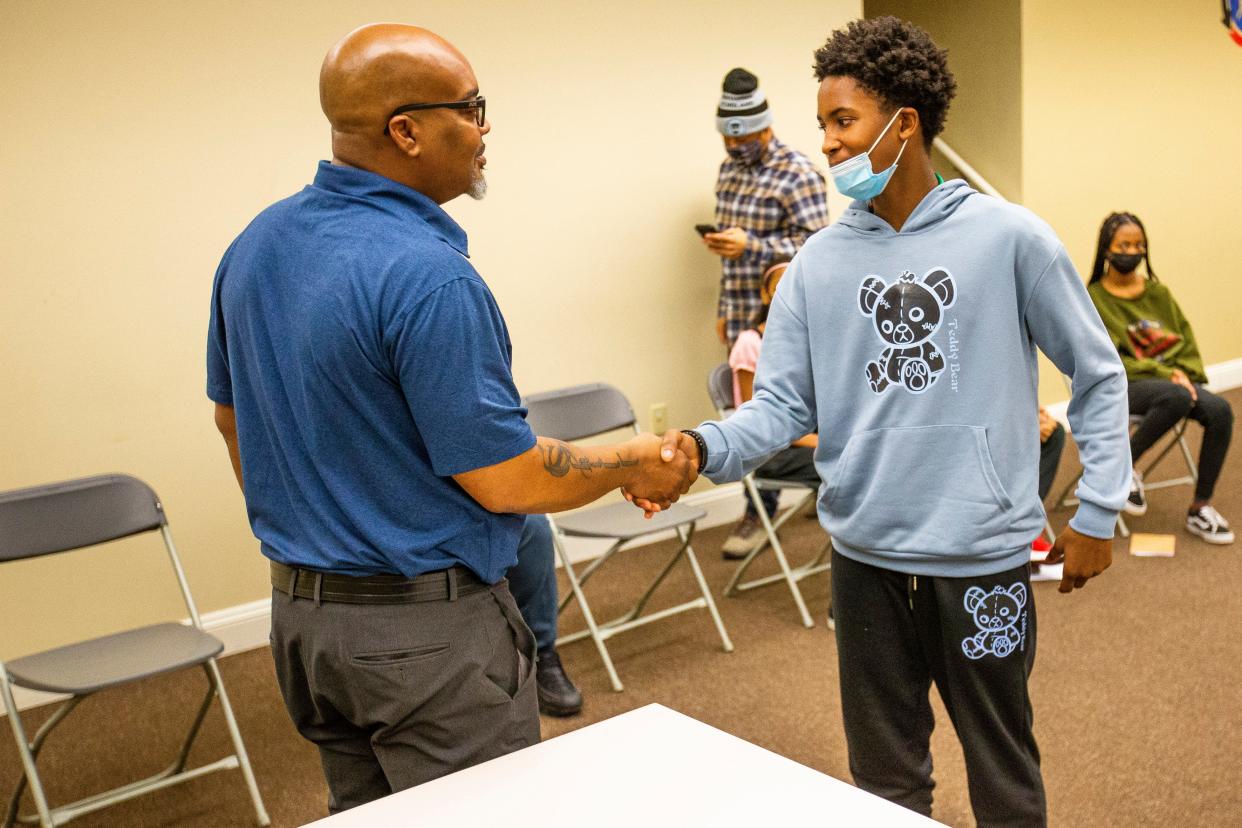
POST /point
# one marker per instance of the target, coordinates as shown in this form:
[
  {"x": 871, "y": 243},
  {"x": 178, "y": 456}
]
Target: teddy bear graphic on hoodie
[{"x": 906, "y": 314}]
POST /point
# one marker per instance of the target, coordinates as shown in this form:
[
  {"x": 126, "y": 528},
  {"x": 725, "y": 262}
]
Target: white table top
[{"x": 651, "y": 766}]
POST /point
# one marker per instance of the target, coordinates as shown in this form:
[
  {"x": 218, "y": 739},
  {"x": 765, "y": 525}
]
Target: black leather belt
[{"x": 441, "y": 585}]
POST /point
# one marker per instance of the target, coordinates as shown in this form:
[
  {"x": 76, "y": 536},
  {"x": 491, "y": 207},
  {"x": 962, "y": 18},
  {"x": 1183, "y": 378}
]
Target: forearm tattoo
[{"x": 559, "y": 459}]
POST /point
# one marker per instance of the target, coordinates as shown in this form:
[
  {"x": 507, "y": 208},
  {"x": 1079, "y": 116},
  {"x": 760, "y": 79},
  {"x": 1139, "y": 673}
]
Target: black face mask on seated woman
[{"x": 1125, "y": 262}]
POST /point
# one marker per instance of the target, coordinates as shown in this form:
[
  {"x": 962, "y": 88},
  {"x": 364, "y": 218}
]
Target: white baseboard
[{"x": 1223, "y": 376}]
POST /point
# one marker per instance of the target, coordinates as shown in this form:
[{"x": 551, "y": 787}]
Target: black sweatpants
[
  {"x": 975, "y": 638},
  {"x": 1163, "y": 404}
]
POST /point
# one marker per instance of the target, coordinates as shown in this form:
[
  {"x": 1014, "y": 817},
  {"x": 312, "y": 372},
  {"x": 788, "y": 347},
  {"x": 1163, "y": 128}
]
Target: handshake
[{"x": 666, "y": 468}]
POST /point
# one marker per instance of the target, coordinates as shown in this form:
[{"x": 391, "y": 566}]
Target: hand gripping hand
[{"x": 677, "y": 451}]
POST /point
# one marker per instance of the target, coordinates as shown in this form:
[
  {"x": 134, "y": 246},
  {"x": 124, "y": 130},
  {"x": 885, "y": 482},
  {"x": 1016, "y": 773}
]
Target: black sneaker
[
  {"x": 1136, "y": 503},
  {"x": 745, "y": 536},
  {"x": 557, "y": 694},
  {"x": 1207, "y": 523}
]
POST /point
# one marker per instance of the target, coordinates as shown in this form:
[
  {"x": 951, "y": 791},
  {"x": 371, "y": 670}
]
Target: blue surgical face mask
[
  {"x": 854, "y": 177},
  {"x": 748, "y": 153}
]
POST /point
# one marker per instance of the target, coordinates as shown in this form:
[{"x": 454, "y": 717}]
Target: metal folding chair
[
  {"x": 1177, "y": 439},
  {"x": 720, "y": 389},
  {"x": 60, "y": 517},
  {"x": 585, "y": 411}
]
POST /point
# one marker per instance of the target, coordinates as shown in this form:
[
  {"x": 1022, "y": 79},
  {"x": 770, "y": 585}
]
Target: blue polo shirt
[{"x": 366, "y": 362}]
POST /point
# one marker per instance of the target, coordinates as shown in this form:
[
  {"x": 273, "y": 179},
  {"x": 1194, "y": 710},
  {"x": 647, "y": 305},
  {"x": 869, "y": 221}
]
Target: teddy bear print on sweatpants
[{"x": 996, "y": 614}]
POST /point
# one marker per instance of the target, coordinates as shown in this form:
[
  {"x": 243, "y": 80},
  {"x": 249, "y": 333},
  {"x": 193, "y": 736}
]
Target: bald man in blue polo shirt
[{"x": 361, "y": 374}]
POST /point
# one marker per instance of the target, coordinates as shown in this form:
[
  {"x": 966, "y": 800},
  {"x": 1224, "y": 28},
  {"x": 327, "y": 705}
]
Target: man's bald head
[
  {"x": 380, "y": 68},
  {"x": 377, "y": 68}
]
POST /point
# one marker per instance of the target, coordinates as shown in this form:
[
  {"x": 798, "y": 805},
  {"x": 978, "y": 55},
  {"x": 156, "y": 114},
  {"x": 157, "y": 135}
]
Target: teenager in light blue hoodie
[{"x": 906, "y": 335}]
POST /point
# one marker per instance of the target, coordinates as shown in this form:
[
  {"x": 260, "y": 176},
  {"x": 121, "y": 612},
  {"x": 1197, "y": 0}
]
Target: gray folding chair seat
[
  {"x": 720, "y": 389},
  {"x": 624, "y": 521},
  {"x": 61, "y": 517},
  {"x": 585, "y": 411},
  {"x": 91, "y": 666}
]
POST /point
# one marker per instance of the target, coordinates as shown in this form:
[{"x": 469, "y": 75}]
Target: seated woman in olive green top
[{"x": 1162, "y": 362}]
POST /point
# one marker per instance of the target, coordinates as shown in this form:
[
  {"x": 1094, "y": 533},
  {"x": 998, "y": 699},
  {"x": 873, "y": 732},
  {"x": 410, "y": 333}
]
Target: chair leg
[
  {"x": 783, "y": 562},
  {"x": 773, "y": 540},
  {"x": 1191, "y": 465},
  {"x": 735, "y": 586},
  {"x": 637, "y": 610},
  {"x": 752, "y": 493},
  {"x": 590, "y": 570},
  {"x": 641, "y": 605},
  {"x": 707, "y": 593},
  {"x": 592, "y": 628},
  {"x": 188, "y": 742},
  {"x": 239, "y": 748},
  {"x": 28, "y": 762},
  {"x": 1121, "y": 526}
]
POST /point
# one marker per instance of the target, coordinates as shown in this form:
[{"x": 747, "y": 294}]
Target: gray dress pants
[{"x": 395, "y": 695}]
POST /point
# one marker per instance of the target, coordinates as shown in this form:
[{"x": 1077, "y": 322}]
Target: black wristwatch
[{"x": 702, "y": 444}]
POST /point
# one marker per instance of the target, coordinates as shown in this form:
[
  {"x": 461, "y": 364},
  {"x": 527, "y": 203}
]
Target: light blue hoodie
[{"x": 912, "y": 353}]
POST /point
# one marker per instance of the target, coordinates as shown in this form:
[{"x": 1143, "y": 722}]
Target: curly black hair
[{"x": 897, "y": 62}]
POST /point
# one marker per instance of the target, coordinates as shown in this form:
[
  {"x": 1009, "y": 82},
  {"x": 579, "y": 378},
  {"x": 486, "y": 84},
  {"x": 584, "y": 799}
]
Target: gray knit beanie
[{"x": 743, "y": 108}]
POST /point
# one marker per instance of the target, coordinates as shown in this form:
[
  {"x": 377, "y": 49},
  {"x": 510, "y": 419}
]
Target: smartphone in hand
[{"x": 704, "y": 229}]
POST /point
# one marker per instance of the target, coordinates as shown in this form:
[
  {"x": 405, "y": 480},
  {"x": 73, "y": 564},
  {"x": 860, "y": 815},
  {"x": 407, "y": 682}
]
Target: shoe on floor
[
  {"x": 557, "y": 694},
  {"x": 745, "y": 536},
  {"x": 1136, "y": 503},
  {"x": 1047, "y": 572},
  {"x": 1207, "y": 523}
]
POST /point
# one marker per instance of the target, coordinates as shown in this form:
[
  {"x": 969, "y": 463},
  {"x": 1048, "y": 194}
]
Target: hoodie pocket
[{"x": 924, "y": 489}]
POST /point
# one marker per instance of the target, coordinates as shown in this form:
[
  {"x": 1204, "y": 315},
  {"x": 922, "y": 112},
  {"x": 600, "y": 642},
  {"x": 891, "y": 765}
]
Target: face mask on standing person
[
  {"x": 748, "y": 153},
  {"x": 854, "y": 177}
]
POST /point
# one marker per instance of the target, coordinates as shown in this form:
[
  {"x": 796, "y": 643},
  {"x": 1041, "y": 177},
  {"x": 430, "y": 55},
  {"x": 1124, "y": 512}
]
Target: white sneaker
[
  {"x": 1209, "y": 525},
  {"x": 1048, "y": 572},
  {"x": 746, "y": 535},
  {"x": 1136, "y": 503}
]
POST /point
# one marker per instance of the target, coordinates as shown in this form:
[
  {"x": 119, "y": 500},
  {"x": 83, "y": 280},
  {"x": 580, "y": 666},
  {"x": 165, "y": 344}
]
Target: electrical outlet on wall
[{"x": 659, "y": 417}]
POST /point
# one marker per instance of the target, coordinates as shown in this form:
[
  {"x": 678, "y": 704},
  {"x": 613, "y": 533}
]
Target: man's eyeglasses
[{"x": 479, "y": 105}]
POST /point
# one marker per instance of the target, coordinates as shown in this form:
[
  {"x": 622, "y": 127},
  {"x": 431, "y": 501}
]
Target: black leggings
[{"x": 1163, "y": 404}]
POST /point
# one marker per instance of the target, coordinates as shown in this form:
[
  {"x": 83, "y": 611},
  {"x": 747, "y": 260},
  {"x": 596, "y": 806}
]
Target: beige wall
[
  {"x": 984, "y": 42},
  {"x": 141, "y": 137},
  {"x": 1138, "y": 107}
]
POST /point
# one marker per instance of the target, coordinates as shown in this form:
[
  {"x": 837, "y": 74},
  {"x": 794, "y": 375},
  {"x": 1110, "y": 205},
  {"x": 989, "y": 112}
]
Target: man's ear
[
  {"x": 404, "y": 134},
  {"x": 908, "y": 124}
]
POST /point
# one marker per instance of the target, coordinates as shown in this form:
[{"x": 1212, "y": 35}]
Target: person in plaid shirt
[{"x": 769, "y": 200}]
